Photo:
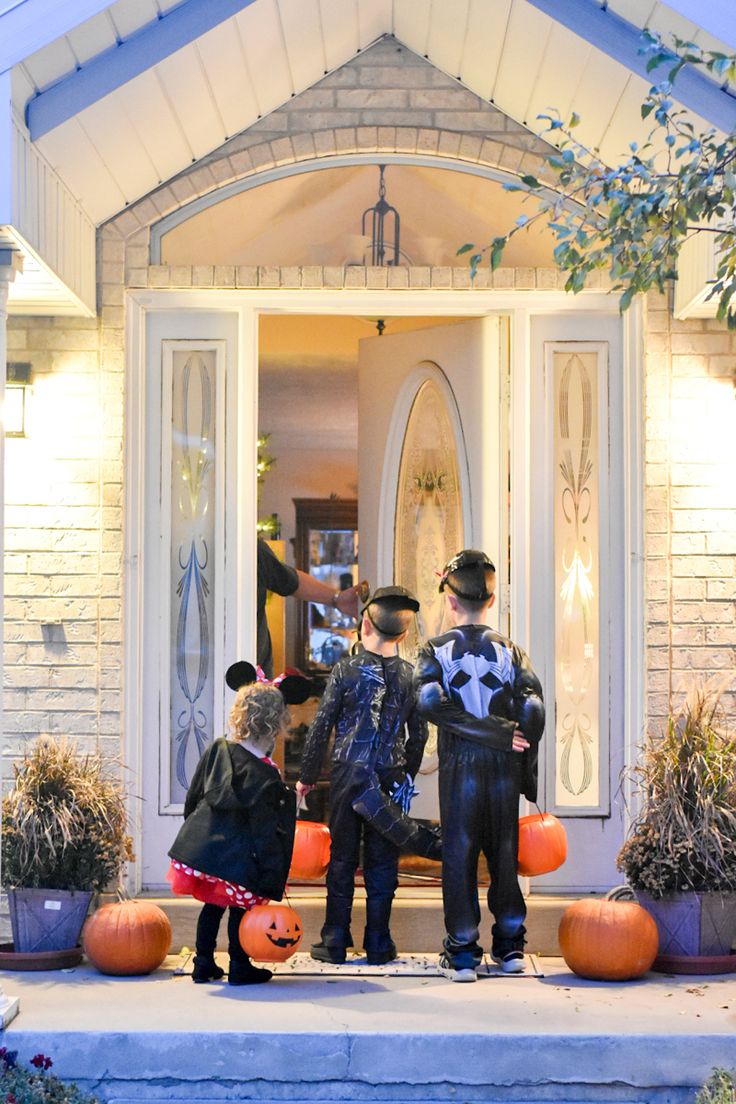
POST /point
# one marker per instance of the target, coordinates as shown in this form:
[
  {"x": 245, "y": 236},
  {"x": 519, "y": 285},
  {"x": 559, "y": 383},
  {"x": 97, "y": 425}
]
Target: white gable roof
[{"x": 123, "y": 143}]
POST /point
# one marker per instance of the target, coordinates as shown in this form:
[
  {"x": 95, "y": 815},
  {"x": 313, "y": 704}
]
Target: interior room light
[{"x": 17, "y": 395}]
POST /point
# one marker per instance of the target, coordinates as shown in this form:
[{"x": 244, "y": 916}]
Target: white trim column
[{"x": 10, "y": 265}]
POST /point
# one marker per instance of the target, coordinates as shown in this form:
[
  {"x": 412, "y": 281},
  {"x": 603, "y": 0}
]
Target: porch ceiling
[{"x": 129, "y": 106}]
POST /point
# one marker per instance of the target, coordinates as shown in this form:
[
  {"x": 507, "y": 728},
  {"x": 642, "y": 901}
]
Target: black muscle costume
[{"x": 490, "y": 689}]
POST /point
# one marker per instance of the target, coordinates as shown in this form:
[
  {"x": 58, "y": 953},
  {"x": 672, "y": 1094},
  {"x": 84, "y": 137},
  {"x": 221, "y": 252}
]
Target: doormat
[{"x": 407, "y": 965}]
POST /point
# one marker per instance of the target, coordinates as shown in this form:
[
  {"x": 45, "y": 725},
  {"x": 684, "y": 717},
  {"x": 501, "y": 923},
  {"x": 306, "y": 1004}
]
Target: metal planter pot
[
  {"x": 47, "y": 919},
  {"x": 702, "y": 924}
]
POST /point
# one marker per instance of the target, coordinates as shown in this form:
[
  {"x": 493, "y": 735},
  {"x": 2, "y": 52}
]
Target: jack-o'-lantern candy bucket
[
  {"x": 542, "y": 844},
  {"x": 311, "y": 855},
  {"x": 270, "y": 933}
]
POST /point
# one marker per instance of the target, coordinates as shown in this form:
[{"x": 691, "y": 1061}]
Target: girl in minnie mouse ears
[
  {"x": 233, "y": 850},
  {"x": 293, "y": 686}
]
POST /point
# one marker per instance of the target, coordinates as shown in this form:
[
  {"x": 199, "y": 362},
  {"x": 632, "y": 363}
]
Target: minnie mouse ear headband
[
  {"x": 470, "y": 566},
  {"x": 294, "y": 688},
  {"x": 393, "y": 598}
]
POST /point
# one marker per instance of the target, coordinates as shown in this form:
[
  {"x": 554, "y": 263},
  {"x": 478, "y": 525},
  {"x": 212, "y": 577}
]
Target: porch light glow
[{"x": 17, "y": 393}]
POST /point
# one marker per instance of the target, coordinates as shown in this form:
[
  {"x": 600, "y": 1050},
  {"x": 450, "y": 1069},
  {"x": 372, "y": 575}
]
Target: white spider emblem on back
[{"x": 475, "y": 693}]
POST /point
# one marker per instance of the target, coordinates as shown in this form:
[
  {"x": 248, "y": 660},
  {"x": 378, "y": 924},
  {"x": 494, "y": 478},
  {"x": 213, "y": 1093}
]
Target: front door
[
  {"x": 433, "y": 469},
  {"x": 434, "y": 477}
]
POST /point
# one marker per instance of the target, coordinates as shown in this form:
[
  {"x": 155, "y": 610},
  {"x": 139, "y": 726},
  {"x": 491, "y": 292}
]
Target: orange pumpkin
[
  {"x": 311, "y": 855},
  {"x": 608, "y": 940},
  {"x": 132, "y": 937},
  {"x": 270, "y": 933},
  {"x": 542, "y": 844}
]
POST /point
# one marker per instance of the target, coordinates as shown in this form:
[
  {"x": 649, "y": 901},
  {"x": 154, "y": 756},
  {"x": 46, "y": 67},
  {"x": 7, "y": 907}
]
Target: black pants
[
  {"x": 208, "y": 925},
  {"x": 479, "y": 811},
  {"x": 380, "y": 870}
]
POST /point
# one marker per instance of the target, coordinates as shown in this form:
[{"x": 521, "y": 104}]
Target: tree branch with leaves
[{"x": 633, "y": 219}]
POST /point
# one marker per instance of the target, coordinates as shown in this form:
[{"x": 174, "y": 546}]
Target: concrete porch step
[
  {"x": 555, "y": 1039},
  {"x": 416, "y": 920}
]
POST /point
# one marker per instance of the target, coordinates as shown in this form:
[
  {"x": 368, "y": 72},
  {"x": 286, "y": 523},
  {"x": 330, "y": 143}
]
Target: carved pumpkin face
[{"x": 270, "y": 933}]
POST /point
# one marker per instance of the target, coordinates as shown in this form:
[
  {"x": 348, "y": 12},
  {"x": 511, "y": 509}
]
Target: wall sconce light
[{"x": 17, "y": 393}]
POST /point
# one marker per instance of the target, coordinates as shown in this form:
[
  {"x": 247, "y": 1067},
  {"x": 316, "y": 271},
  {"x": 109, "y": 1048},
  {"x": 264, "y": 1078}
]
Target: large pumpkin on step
[
  {"x": 311, "y": 855},
  {"x": 132, "y": 937},
  {"x": 542, "y": 844},
  {"x": 608, "y": 940},
  {"x": 270, "y": 933}
]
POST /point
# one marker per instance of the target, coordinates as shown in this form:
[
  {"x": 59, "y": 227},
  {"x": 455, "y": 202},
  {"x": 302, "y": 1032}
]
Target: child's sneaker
[
  {"x": 456, "y": 973},
  {"x": 511, "y": 963}
]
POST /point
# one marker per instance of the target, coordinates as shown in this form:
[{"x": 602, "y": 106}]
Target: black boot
[
  {"x": 379, "y": 946},
  {"x": 243, "y": 972},
  {"x": 206, "y": 969},
  {"x": 322, "y": 953}
]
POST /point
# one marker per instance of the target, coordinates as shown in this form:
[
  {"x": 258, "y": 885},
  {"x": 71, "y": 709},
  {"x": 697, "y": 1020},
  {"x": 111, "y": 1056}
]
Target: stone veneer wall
[{"x": 64, "y": 538}]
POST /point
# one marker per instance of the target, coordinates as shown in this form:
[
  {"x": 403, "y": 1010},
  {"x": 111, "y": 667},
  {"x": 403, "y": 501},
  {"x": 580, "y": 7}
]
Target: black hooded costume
[
  {"x": 478, "y": 687},
  {"x": 239, "y": 820},
  {"x": 239, "y": 826}
]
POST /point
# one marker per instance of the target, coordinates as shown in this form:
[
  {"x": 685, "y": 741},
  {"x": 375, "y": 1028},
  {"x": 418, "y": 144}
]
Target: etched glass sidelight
[
  {"x": 577, "y": 577},
  {"x": 192, "y": 521}
]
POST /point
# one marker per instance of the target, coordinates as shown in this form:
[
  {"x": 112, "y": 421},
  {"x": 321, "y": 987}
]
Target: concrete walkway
[{"x": 406, "y": 1039}]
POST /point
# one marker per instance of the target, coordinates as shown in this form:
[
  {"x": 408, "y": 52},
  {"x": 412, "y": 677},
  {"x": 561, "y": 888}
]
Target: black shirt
[{"x": 281, "y": 579}]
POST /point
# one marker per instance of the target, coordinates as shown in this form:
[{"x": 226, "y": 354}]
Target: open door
[{"x": 433, "y": 468}]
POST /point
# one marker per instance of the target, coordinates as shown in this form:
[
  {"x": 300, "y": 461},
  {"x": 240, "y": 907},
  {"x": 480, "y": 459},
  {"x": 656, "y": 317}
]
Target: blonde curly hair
[{"x": 258, "y": 714}]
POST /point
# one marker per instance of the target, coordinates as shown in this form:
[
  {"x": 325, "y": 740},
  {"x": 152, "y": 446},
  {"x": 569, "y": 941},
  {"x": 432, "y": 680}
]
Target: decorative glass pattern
[
  {"x": 192, "y": 563},
  {"x": 429, "y": 514},
  {"x": 577, "y": 585}
]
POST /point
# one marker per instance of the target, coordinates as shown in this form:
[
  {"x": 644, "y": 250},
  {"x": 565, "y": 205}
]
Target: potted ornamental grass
[
  {"x": 680, "y": 854},
  {"x": 63, "y": 838}
]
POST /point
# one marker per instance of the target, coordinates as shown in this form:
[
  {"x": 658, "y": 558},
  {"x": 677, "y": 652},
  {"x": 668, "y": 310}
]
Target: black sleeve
[
  {"x": 196, "y": 786},
  {"x": 417, "y": 738},
  {"x": 493, "y": 731},
  {"x": 528, "y": 700},
  {"x": 321, "y": 727},
  {"x": 270, "y": 841},
  {"x": 273, "y": 574}
]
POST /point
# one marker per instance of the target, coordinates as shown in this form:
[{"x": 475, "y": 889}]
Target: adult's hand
[{"x": 349, "y": 600}]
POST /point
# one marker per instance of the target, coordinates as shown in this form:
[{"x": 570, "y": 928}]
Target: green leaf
[
  {"x": 530, "y": 181},
  {"x": 465, "y": 248},
  {"x": 625, "y": 301},
  {"x": 497, "y": 248}
]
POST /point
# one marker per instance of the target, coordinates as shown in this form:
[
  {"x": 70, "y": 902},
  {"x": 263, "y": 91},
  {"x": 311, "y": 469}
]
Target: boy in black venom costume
[
  {"x": 379, "y": 740},
  {"x": 480, "y": 690}
]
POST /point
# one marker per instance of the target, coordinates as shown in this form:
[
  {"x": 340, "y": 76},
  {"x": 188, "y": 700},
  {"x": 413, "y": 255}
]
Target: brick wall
[
  {"x": 63, "y": 617},
  {"x": 690, "y": 505},
  {"x": 64, "y": 544}
]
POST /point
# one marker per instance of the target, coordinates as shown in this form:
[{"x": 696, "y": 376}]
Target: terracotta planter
[
  {"x": 702, "y": 924},
  {"x": 47, "y": 919}
]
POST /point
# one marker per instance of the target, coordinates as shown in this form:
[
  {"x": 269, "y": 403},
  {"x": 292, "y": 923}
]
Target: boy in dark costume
[
  {"x": 480, "y": 690},
  {"x": 369, "y": 700}
]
